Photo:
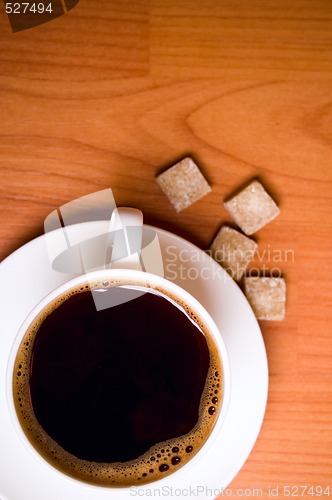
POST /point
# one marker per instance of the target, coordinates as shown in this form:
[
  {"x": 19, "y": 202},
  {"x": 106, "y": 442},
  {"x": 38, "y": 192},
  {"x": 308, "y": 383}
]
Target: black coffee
[{"x": 119, "y": 396}]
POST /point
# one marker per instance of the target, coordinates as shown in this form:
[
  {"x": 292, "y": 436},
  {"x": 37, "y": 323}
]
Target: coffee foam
[{"x": 161, "y": 459}]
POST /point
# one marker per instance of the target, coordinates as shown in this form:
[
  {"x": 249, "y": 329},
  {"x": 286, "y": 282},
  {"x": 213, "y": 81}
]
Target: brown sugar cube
[
  {"x": 183, "y": 184},
  {"x": 252, "y": 208},
  {"x": 267, "y": 297},
  {"x": 233, "y": 251}
]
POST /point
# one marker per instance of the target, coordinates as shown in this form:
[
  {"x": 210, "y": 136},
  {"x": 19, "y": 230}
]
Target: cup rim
[{"x": 151, "y": 279}]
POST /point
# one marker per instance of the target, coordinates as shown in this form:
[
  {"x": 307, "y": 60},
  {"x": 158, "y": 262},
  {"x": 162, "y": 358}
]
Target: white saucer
[{"x": 26, "y": 277}]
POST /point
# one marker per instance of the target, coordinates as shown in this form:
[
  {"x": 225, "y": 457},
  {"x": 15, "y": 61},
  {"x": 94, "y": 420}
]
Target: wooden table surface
[{"x": 115, "y": 91}]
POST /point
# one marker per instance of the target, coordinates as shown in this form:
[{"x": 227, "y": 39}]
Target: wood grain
[{"x": 112, "y": 93}]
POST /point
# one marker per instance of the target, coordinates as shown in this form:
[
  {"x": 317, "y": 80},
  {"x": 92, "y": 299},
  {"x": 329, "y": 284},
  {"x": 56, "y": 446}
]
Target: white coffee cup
[{"x": 148, "y": 281}]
